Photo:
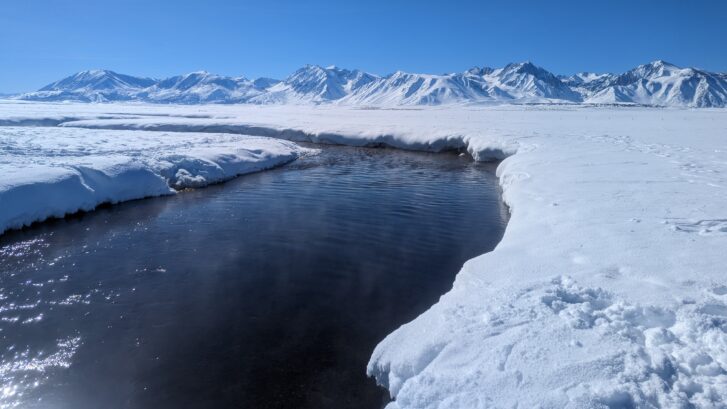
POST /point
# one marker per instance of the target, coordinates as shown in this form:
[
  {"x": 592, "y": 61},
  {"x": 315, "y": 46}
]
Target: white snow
[
  {"x": 609, "y": 288},
  {"x": 192, "y": 88},
  {"x": 656, "y": 83},
  {"x": 53, "y": 171}
]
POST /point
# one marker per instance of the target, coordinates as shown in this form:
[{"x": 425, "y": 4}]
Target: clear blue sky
[{"x": 44, "y": 40}]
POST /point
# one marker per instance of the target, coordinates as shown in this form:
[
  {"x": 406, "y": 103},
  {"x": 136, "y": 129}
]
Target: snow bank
[
  {"x": 608, "y": 289},
  {"x": 441, "y": 143},
  {"x": 324, "y": 124},
  {"x": 35, "y": 193},
  {"x": 51, "y": 172}
]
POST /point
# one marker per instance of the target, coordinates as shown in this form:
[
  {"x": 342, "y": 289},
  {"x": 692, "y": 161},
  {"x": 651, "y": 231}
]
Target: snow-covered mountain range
[{"x": 657, "y": 83}]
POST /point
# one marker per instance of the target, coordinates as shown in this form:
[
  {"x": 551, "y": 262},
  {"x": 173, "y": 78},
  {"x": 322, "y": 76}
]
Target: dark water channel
[{"x": 269, "y": 291}]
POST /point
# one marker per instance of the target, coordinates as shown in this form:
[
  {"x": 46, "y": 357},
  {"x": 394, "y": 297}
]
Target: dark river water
[{"x": 268, "y": 291}]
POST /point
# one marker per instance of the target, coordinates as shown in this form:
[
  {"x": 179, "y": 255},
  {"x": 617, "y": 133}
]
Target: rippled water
[{"x": 269, "y": 291}]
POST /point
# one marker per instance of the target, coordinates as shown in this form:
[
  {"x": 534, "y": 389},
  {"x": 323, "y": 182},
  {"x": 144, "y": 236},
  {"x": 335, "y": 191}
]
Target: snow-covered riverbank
[
  {"x": 609, "y": 288},
  {"x": 50, "y": 172}
]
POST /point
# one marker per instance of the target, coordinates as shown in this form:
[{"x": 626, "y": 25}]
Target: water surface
[{"x": 269, "y": 291}]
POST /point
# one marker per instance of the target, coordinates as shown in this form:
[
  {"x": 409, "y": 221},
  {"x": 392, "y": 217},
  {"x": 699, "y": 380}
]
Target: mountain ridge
[{"x": 657, "y": 83}]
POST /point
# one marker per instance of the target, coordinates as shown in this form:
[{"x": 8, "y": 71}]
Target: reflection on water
[{"x": 269, "y": 291}]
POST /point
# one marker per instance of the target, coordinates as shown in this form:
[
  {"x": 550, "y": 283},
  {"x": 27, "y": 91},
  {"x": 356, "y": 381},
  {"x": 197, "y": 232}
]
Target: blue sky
[{"x": 44, "y": 40}]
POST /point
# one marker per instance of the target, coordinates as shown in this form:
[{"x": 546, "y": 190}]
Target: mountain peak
[
  {"x": 662, "y": 63},
  {"x": 310, "y": 67},
  {"x": 98, "y": 79},
  {"x": 96, "y": 72},
  {"x": 315, "y": 83},
  {"x": 655, "y": 83},
  {"x": 479, "y": 71},
  {"x": 525, "y": 67},
  {"x": 519, "y": 65},
  {"x": 654, "y": 69}
]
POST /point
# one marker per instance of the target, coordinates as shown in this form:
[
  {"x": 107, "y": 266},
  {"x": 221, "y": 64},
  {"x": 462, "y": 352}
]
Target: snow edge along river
[
  {"x": 54, "y": 172},
  {"x": 608, "y": 288}
]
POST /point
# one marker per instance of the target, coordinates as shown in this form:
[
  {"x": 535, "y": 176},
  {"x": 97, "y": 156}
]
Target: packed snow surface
[
  {"x": 608, "y": 290},
  {"x": 50, "y": 172}
]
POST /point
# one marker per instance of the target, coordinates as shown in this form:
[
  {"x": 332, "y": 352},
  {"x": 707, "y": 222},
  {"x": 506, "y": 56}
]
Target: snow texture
[
  {"x": 657, "y": 83},
  {"x": 609, "y": 287},
  {"x": 51, "y": 172}
]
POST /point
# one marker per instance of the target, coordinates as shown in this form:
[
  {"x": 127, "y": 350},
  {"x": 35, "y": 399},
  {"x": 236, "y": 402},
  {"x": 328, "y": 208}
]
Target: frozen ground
[{"x": 609, "y": 288}]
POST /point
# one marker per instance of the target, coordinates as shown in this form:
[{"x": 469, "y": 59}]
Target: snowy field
[{"x": 609, "y": 288}]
